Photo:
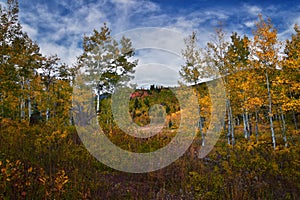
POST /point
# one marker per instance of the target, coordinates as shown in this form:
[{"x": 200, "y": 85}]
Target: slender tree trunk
[
  {"x": 47, "y": 114},
  {"x": 283, "y": 127},
  {"x": 22, "y": 107},
  {"x": 248, "y": 125},
  {"x": 53, "y": 103},
  {"x": 48, "y": 101},
  {"x": 244, "y": 123},
  {"x": 256, "y": 125},
  {"x": 22, "y": 102},
  {"x": 98, "y": 102},
  {"x": 71, "y": 118},
  {"x": 48, "y": 104},
  {"x": 246, "y": 130},
  {"x": 270, "y": 111}
]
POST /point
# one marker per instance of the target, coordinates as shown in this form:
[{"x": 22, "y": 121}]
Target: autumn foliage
[{"x": 256, "y": 157}]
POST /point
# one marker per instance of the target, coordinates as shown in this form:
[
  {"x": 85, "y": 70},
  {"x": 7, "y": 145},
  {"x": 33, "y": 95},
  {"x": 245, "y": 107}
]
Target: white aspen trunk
[
  {"x": 47, "y": 114},
  {"x": 248, "y": 125},
  {"x": 48, "y": 102},
  {"x": 22, "y": 113},
  {"x": 98, "y": 102},
  {"x": 97, "y": 105},
  {"x": 245, "y": 125},
  {"x": 22, "y": 102},
  {"x": 270, "y": 111}
]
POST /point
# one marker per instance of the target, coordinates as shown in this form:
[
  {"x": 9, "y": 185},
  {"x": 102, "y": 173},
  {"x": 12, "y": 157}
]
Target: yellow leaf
[
  {"x": 30, "y": 169},
  {"x": 42, "y": 180},
  {"x": 18, "y": 162},
  {"x": 65, "y": 181}
]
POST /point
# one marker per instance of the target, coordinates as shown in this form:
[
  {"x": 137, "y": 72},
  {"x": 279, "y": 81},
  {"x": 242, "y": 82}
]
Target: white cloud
[
  {"x": 48, "y": 25},
  {"x": 60, "y": 30},
  {"x": 94, "y": 15},
  {"x": 127, "y": 12},
  {"x": 158, "y": 38},
  {"x": 252, "y": 9},
  {"x": 286, "y": 34},
  {"x": 250, "y": 24},
  {"x": 159, "y": 53},
  {"x": 157, "y": 74},
  {"x": 30, "y": 31},
  {"x": 123, "y": 1},
  {"x": 59, "y": 34},
  {"x": 136, "y": 5},
  {"x": 66, "y": 53},
  {"x": 219, "y": 14}
]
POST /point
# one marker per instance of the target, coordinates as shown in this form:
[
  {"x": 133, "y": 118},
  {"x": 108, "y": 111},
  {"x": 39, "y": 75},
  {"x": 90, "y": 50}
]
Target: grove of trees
[{"x": 261, "y": 77}]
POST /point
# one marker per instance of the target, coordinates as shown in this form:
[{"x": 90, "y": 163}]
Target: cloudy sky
[{"x": 59, "y": 25}]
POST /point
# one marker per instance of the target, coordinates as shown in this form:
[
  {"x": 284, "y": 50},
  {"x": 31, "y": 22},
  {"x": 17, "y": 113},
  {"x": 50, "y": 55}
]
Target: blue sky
[{"x": 59, "y": 25}]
